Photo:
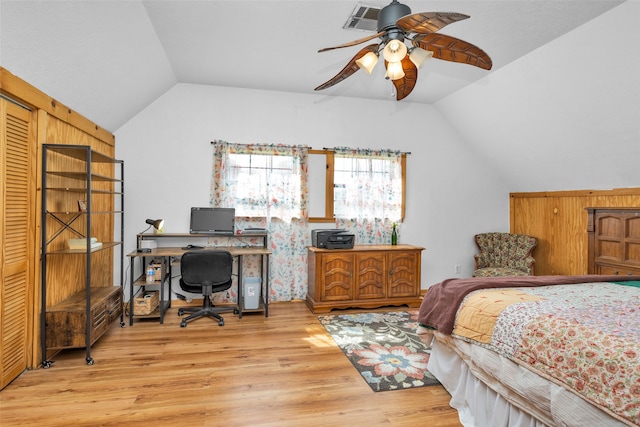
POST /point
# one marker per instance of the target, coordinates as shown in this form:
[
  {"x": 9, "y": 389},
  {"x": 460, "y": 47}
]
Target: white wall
[
  {"x": 514, "y": 131},
  {"x": 564, "y": 117},
  {"x": 451, "y": 195}
]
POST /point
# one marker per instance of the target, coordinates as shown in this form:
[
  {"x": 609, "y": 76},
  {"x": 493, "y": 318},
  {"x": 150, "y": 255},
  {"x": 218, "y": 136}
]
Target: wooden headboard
[{"x": 614, "y": 241}]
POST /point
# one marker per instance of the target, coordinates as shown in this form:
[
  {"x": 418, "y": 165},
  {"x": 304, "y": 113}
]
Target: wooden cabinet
[
  {"x": 66, "y": 321},
  {"x": 366, "y": 276},
  {"x": 614, "y": 241}
]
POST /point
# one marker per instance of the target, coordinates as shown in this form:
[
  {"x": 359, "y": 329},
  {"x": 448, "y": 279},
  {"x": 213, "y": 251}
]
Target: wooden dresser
[
  {"x": 614, "y": 241},
  {"x": 366, "y": 276}
]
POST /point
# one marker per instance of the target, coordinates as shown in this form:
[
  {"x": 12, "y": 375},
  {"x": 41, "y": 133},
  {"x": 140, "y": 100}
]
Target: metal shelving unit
[{"x": 69, "y": 186}]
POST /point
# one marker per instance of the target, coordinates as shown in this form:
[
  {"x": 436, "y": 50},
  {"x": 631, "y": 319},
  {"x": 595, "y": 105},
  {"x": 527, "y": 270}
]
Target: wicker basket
[
  {"x": 146, "y": 303},
  {"x": 157, "y": 269}
]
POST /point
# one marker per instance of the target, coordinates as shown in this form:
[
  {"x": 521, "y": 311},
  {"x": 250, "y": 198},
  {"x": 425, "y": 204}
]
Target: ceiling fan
[{"x": 397, "y": 26}]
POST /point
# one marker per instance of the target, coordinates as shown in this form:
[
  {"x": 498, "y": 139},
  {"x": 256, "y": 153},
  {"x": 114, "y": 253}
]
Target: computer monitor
[{"x": 212, "y": 221}]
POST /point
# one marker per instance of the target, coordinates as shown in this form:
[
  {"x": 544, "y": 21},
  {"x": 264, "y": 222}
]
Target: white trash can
[{"x": 251, "y": 292}]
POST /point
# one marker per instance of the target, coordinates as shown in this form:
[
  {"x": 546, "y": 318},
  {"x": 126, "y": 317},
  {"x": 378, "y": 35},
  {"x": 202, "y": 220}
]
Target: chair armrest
[
  {"x": 525, "y": 264},
  {"x": 482, "y": 261}
]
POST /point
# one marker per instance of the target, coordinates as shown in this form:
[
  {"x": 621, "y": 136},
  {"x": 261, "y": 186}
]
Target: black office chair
[{"x": 205, "y": 272}]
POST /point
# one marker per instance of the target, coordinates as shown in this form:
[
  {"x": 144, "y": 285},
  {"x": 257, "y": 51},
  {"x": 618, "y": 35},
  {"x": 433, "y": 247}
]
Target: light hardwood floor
[{"x": 284, "y": 370}]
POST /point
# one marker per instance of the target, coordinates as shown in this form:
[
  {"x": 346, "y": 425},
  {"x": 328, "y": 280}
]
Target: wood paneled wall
[
  {"x": 558, "y": 220},
  {"x": 54, "y": 123},
  {"x": 66, "y": 273}
]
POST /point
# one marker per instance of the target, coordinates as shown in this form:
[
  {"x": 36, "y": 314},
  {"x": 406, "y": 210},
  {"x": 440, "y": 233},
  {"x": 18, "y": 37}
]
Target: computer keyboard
[
  {"x": 253, "y": 230},
  {"x": 193, "y": 247}
]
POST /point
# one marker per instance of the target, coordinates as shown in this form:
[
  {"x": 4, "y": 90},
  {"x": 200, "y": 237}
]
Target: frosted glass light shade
[
  {"x": 418, "y": 56},
  {"x": 395, "y": 71},
  {"x": 367, "y": 62},
  {"x": 394, "y": 51}
]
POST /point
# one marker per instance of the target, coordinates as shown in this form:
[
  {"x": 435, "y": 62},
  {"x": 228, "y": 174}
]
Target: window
[
  {"x": 363, "y": 184},
  {"x": 259, "y": 178},
  {"x": 260, "y": 181}
]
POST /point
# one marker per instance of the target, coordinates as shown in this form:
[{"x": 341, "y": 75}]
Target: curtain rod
[
  {"x": 372, "y": 149},
  {"x": 332, "y": 149},
  {"x": 259, "y": 144}
]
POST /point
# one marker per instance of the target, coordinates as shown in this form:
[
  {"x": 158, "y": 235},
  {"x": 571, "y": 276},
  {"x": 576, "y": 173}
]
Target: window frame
[{"x": 329, "y": 185}]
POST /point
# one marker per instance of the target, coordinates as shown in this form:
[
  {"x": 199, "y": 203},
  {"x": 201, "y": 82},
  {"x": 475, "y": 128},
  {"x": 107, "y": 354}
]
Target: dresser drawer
[{"x": 617, "y": 270}]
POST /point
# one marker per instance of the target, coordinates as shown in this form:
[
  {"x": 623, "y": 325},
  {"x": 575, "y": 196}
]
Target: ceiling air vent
[{"x": 363, "y": 18}]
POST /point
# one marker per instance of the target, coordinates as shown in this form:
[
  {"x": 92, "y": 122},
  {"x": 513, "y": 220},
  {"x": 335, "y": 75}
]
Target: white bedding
[{"x": 489, "y": 390}]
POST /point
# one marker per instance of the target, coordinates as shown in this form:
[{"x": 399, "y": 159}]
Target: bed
[{"x": 537, "y": 350}]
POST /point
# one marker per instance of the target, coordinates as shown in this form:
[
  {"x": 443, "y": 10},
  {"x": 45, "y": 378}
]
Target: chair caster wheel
[
  {"x": 183, "y": 324},
  {"x": 221, "y": 323},
  {"x": 89, "y": 361},
  {"x": 236, "y": 311},
  {"x": 180, "y": 312}
]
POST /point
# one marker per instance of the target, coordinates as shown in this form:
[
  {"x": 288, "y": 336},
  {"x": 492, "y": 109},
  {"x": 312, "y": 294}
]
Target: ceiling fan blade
[
  {"x": 350, "y": 68},
  {"x": 405, "y": 85},
  {"x": 353, "y": 43},
  {"x": 449, "y": 48},
  {"x": 429, "y": 22}
]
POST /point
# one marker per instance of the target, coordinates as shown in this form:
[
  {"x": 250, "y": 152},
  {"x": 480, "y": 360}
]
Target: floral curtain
[
  {"x": 369, "y": 197},
  {"x": 270, "y": 199}
]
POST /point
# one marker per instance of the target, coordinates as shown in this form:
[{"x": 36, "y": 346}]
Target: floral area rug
[{"x": 383, "y": 347}]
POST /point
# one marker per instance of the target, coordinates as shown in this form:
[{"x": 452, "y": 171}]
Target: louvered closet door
[{"x": 16, "y": 237}]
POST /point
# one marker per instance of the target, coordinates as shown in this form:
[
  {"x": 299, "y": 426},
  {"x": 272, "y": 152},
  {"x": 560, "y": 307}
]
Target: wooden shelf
[{"x": 82, "y": 318}]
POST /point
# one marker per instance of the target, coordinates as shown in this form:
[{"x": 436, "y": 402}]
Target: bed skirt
[{"x": 490, "y": 390}]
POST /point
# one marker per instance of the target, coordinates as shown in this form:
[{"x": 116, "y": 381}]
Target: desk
[{"x": 167, "y": 252}]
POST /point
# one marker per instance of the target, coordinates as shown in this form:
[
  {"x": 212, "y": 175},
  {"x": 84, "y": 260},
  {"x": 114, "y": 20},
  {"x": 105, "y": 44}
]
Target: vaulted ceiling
[{"x": 110, "y": 59}]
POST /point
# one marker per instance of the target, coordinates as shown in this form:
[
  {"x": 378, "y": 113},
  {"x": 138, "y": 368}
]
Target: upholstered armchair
[{"x": 504, "y": 254}]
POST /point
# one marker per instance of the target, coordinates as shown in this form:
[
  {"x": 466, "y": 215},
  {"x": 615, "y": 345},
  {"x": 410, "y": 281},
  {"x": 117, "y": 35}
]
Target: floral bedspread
[{"x": 585, "y": 337}]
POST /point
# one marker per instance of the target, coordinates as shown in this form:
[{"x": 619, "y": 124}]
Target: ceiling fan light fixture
[
  {"x": 367, "y": 62},
  {"x": 406, "y": 40},
  {"x": 394, "y": 51},
  {"x": 395, "y": 71},
  {"x": 418, "y": 56}
]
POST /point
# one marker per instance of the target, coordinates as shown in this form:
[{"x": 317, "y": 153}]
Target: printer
[{"x": 332, "y": 239}]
